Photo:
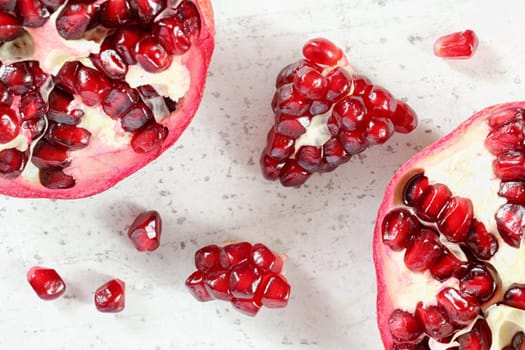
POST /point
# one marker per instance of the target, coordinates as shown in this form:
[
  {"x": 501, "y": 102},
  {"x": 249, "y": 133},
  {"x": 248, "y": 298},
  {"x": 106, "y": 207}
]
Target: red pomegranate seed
[
  {"x": 246, "y": 306},
  {"x": 505, "y": 116},
  {"x": 351, "y": 113},
  {"x": 432, "y": 201},
  {"x": 362, "y": 85},
  {"x": 279, "y": 146},
  {"x": 398, "y": 227},
  {"x": 404, "y": 118},
  {"x": 110, "y": 63},
  {"x": 46, "y": 283},
  {"x": 36, "y": 127},
  {"x": 339, "y": 84},
  {"x": 233, "y": 254},
  {"x": 459, "y": 45},
  {"x": 510, "y": 222},
  {"x": 151, "y": 55},
  {"x": 354, "y": 142},
  {"x": 379, "y": 102},
  {"x": 244, "y": 280},
  {"x": 379, "y": 131},
  {"x": 518, "y": 341},
  {"x": 310, "y": 83},
  {"x": 22, "y": 77},
  {"x": 7, "y": 5},
  {"x": 455, "y": 218},
  {"x": 478, "y": 282},
  {"x": 446, "y": 266},
  {"x": 149, "y": 138},
  {"x": 513, "y": 191},
  {"x": 66, "y": 77},
  {"x": 5, "y": 96},
  {"x": 515, "y": 296},
  {"x": 196, "y": 285},
  {"x": 309, "y": 158},
  {"x": 74, "y": 19},
  {"x": 92, "y": 86},
  {"x": 510, "y": 166},
  {"x": 288, "y": 74},
  {"x": 12, "y": 163},
  {"x": 114, "y": 13},
  {"x": 110, "y": 297},
  {"x": 32, "y": 12},
  {"x": 52, "y": 5},
  {"x": 62, "y": 108},
  {"x": 333, "y": 125},
  {"x": 322, "y": 51},
  {"x": 208, "y": 258},
  {"x": 423, "y": 251},
  {"x": 125, "y": 40},
  {"x": 481, "y": 243},
  {"x": 275, "y": 291},
  {"x": 264, "y": 259},
  {"x": 10, "y": 27},
  {"x": 32, "y": 106},
  {"x": 320, "y": 107},
  {"x": 287, "y": 101},
  {"x": 505, "y": 138},
  {"x": 69, "y": 136},
  {"x": 145, "y": 231},
  {"x": 146, "y": 10},
  {"x": 414, "y": 189},
  {"x": 46, "y": 155},
  {"x": 405, "y": 327},
  {"x": 119, "y": 99},
  {"x": 479, "y": 337},
  {"x": 334, "y": 154},
  {"x": 136, "y": 117},
  {"x": 188, "y": 14},
  {"x": 460, "y": 308},
  {"x": 291, "y": 126},
  {"x": 55, "y": 178},
  {"x": 292, "y": 174},
  {"x": 435, "y": 322},
  {"x": 271, "y": 168},
  {"x": 9, "y": 124},
  {"x": 217, "y": 284},
  {"x": 171, "y": 36}
]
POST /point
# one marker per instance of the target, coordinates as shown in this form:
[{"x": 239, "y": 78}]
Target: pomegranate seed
[
  {"x": 460, "y": 308},
  {"x": 435, "y": 322},
  {"x": 55, "y": 178},
  {"x": 351, "y": 113},
  {"x": 333, "y": 125},
  {"x": 233, "y": 254},
  {"x": 291, "y": 126},
  {"x": 110, "y": 297},
  {"x": 289, "y": 102},
  {"x": 92, "y": 86},
  {"x": 32, "y": 12},
  {"x": 10, "y": 27},
  {"x": 9, "y": 124},
  {"x": 264, "y": 259},
  {"x": 510, "y": 166},
  {"x": 455, "y": 219},
  {"x": 479, "y": 337},
  {"x": 288, "y": 74},
  {"x": 405, "y": 327},
  {"x": 62, "y": 108},
  {"x": 188, "y": 14},
  {"x": 459, "y": 45},
  {"x": 446, "y": 266},
  {"x": 36, "y": 127},
  {"x": 271, "y": 168},
  {"x": 379, "y": 102},
  {"x": 110, "y": 63},
  {"x": 74, "y": 19},
  {"x": 513, "y": 192},
  {"x": 505, "y": 138},
  {"x": 310, "y": 83},
  {"x": 32, "y": 106},
  {"x": 309, "y": 158},
  {"x": 246, "y": 306},
  {"x": 66, "y": 77},
  {"x": 114, "y": 13},
  {"x": 196, "y": 285},
  {"x": 379, "y": 131},
  {"x": 22, "y": 77},
  {"x": 244, "y": 280},
  {"x": 149, "y": 138},
  {"x": 518, "y": 341},
  {"x": 292, "y": 174},
  {"x": 423, "y": 251},
  {"x": 146, "y": 10},
  {"x": 280, "y": 146},
  {"x": 319, "y": 107},
  {"x": 52, "y": 5},
  {"x": 354, "y": 142},
  {"x": 404, "y": 118},
  {"x": 145, "y": 231},
  {"x": 7, "y": 5},
  {"x": 151, "y": 55},
  {"x": 217, "y": 284},
  {"x": 480, "y": 242},
  {"x": 119, "y": 99},
  {"x": 125, "y": 40},
  {"x": 12, "y": 162},
  {"x": 172, "y": 37},
  {"x": 69, "y": 136},
  {"x": 46, "y": 283},
  {"x": 432, "y": 201},
  {"x": 511, "y": 223},
  {"x": 135, "y": 118},
  {"x": 5, "y": 96},
  {"x": 362, "y": 85},
  {"x": 208, "y": 258},
  {"x": 334, "y": 153},
  {"x": 339, "y": 84},
  {"x": 505, "y": 116},
  {"x": 275, "y": 291},
  {"x": 478, "y": 282},
  {"x": 515, "y": 296},
  {"x": 398, "y": 227},
  {"x": 414, "y": 189},
  {"x": 46, "y": 155},
  {"x": 322, "y": 51}
]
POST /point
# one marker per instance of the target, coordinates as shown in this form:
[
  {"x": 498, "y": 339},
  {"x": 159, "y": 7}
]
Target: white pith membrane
[
  {"x": 107, "y": 135},
  {"x": 464, "y": 165}
]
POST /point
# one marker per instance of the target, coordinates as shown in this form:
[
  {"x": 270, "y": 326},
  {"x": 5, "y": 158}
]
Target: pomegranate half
[
  {"x": 93, "y": 90},
  {"x": 448, "y": 241}
]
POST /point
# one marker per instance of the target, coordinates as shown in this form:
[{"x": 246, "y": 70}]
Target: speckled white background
[{"x": 208, "y": 187}]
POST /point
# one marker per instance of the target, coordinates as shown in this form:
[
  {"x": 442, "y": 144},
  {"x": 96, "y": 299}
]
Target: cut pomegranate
[
  {"x": 448, "y": 243},
  {"x": 110, "y": 297},
  {"x": 248, "y": 276},
  {"x": 145, "y": 231},
  {"x": 114, "y": 86},
  {"x": 46, "y": 283},
  {"x": 459, "y": 45},
  {"x": 325, "y": 114}
]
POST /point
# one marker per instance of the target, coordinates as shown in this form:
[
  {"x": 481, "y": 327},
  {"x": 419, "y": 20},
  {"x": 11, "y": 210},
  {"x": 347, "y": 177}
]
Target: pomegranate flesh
[
  {"x": 92, "y": 91},
  {"x": 448, "y": 242},
  {"x": 325, "y": 113}
]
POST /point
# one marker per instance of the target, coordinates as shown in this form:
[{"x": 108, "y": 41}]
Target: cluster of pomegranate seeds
[
  {"x": 459, "y": 45},
  {"x": 325, "y": 114},
  {"x": 249, "y": 276},
  {"x": 145, "y": 231},
  {"x": 110, "y": 297},
  {"x": 46, "y": 283}
]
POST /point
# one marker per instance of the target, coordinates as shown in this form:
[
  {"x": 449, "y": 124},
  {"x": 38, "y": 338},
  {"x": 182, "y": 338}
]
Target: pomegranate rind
[
  {"x": 197, "y": 61},
  {"x": 385, "y": 303}
]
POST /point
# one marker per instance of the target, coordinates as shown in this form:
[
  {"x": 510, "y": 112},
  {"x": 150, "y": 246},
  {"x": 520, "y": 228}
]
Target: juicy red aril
[
  {"x": 119, "y": 99},
  {"x": 35, "y": 126},
  {"x": 276, "y": 291},
  {"x": 310, "y": 83},
  {"x": 110, "y": 297},
  {"x": 146, "y": 10},
  {"x": 423, "y": 250},
  {"x": 351, "y": 113},
  {"x": 92, "y": 86},
  {"x": 266, "y": 260},
  {"x": 125, "y": 41},
  {"x": 435, "y": 322},
  {"x": 511, "y": 223},
  {"x": 334, "y": 154},
  {"x": 380, "y": 102},
  {"x": 145, "y": 231},
  {"x": 456, "y": 45},
  {"x": 510, "y": 166},
  {"x": 513, "y": 191},
  {"x": 12, "y": 162},
  {"x": 53, "y": 5},
  {"x": 32, "y": 12},
  {"x": 460, "y": 307},
  {"x": 208, "y": 258},
  {"x": 7, "y": 5},
  {"x": 288, "y": 73},
  {"x": 504, "y": 116},
  {"x": 339, "y": 84},
  {"x": 322, "y": 51},
  {"x": 354, "y": 142},
  {"x": 246, "y": 306},
  {"x": 290, "y": 102},
  {"x": 505, "y": 138},
  {"x": 149, "y": 138},
  {"x": 22, "y": 77},
  {"x": 405, "y": 327},
  {"x": 379, "y": 131},
  {"x": 110, "y": 63},
  {"x": 151, "y": 55},
  {"x": 55, "y": 178},
  {"x": 309, "y": 158},
  {"x": 235, "y": 253},
  {"x": 362, "y": 85},
  {"x": 32, "y": 106},
  {"x": 136, "y": 117},
  {"x": 5, "y": 97},
  {"x": 292, "y": 174},
  {"x": 399, "y": 226},
  {"x": 69, "y": 136},
  {"x": 481, "y": 243},
  {"x": 280, "y": 146},
  {"x": 455, "y": 218},
  {"x": 62, "y": 108},
  {"x": 66, "y": 78},
  {"x": 446, "y": 266},
  {"x": 46, "y": 283},
  {"x": 414, "y": 189},
  {"x": 478, "y": 282},
  {"x": 114, "y": 13},
  {"x": 9, "y": 124},
  {"x": 291, "y": 126},
  {"x": 188, "y": 14},
  {"x": 172, "y": 37},
  {"x": 46, "y": 155},
  {"x": 196, "y": 285},
  {"x": 479, "y": 337},
  {"x": 404, "y": 118},
  {"x": 432, "y": 201},
  {"x": 10, "y": 27},
  {"x": 74, "y": 19},
  {"x": 271, "y": 167},
  {"x": 217, "y": 284},
  {"x": 515, "y": 296},
  {"x": 244, "y": 280}
]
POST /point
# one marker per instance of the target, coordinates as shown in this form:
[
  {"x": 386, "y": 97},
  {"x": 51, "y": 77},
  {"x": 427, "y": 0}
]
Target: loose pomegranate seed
[
  {"x": 46, "y": 283},
  {"x": 32, "y": 12},
  {"x": 246, "y": 306},
  {"x": 435, "y": 322},
  {"x": 459, "y": 45},
  {"x": 414, "y": 189},
  {"x": 507, "y": 137},
  {"x": 351, "y": 113},
  {"x": 136, "y": 117},
  {"x": 479, "y": 337},
  {"x": 432, "y": 201},
  {"x": 9, "y": 124},
  {"x": 92, "y": 86},
  {"x": 46, "y": 155},
  {"x": 74, "y": 19},
  {"x": 380, "y": 102},
  {"x": 515, "y": 296},
  {"x": 110, "y": 297},
  {"x": 10, "y": 27},
  {"x": 292, "y": 174},
  {"x": 55, "y": 178},
  {"x": 244, "y": 280},
  {"x": 446, "y": 266},
  {"x": 513, "y": 192},
  {"x": 276, "y": 291},
  {"x": 510, "y": 166},
  {"x": 455, "y": 219},
  {"x": 322, "y": 51},
  {"x": 115, "y": 13},
  {"x": 291, "y": 126},
  {"x": 195, "y": 284},
  {"x": 379, "y": 131},
  {"x": 481, "y": 243},
  {"x": 145, "y": 231},
  {"x": 12, "y": 162},
  {"x": 208, "y": 258},
  {"x": 423, "y": 251},
  {"x": 171, "y": 36},
  {"x": 149, "y": 138},
  {"x": 263, "y": 258},
  {"x": 405, "y": 327},
  {"x": 146, "y": 10},
  {"x": 404, "y": 118},
  {"x": 460, "y": 307},
  {"x": 151, "y": 55},
  {"x": 478, "y": 282},
  {"x": 235, "y": 253},
  {"x": 309, "y": 158},
  {"x": 511, "y": 223},
  {"x": 217, "y": 284},
  {"x": 32, "y": 106},
  {"x": 399, "y": 226},
  {"x": 69, "y": 136},
  {"x": 62, "y": 108}
]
